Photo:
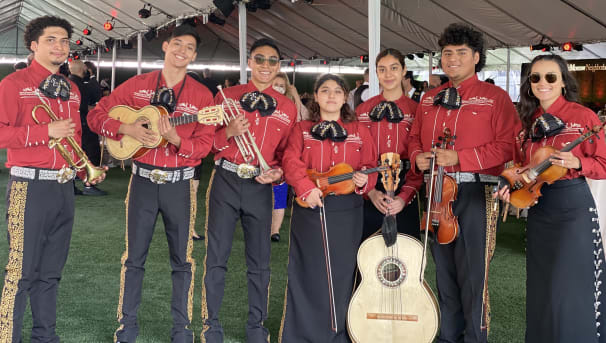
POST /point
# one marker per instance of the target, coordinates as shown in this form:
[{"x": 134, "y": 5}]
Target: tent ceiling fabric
[{"x": 332, "y": 28}]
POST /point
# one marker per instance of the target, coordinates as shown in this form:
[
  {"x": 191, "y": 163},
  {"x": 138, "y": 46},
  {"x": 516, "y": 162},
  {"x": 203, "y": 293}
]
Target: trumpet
[
  {"x": 246, "y": 142},
  {"x": 92, "y": 172}
]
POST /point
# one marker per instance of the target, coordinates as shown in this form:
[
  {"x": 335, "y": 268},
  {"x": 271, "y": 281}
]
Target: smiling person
[
  {"x": 40, "y": 194},
  {"x": 172, "y": 193},
  {"x": 482, "y": 118},
  {"x": 389, "y": 117},
  {"x": 232, "y": 195},
  {"x": 315, "y": 312},
  {"x": 564, "y": 256}
]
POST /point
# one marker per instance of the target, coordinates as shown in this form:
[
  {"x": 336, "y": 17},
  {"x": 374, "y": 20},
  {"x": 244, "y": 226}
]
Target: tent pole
[
  {"x": 114, "y": 49},
  {"x": 374, "y": 43},
  {"x": 139, "y": 51},
  {"x": 508, "y": 68},
  {"x": 242, "y": 40},
  {"x": 98, "y": 62},
  {"x": 430, "y": 66}
]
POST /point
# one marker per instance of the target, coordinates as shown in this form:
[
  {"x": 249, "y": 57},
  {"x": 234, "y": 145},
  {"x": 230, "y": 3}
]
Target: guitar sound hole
[{"x": 391, "y": 272}]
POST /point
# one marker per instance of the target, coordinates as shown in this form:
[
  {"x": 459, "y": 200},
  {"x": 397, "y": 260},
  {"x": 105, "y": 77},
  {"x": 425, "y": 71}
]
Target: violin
[
  {"x": 525, "y": 182},
  {"x": 441, "y": 191},
  {"x": 337, "y": 180}
]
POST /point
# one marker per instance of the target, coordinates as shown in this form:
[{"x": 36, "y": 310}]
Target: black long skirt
[
  {"x": 308, "y": 311},
  {"x": 564, "y": 301}
]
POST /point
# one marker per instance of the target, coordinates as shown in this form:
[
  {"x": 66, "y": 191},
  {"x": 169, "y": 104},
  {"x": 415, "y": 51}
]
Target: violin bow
[{"x": 333, "y": 311}]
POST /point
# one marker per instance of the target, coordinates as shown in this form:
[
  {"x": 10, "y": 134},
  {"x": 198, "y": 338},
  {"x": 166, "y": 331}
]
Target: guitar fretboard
[{"x": 184, "y": 119}]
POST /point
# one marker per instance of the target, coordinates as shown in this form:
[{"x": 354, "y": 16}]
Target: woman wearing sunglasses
[
  {"x": 322, "y": 255},
  {"x": 389, "y": 117},
  {"x": 564, "y": 254}
]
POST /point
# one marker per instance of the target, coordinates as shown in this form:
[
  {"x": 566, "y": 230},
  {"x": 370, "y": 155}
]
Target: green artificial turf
[{"x": 88, "y": 293}]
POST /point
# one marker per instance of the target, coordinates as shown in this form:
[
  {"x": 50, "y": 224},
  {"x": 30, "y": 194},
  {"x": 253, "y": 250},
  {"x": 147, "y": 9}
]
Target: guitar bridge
[{"x": 390, "y": 316}]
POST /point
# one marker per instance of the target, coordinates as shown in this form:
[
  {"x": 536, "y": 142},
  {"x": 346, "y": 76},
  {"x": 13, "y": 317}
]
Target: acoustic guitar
[
  {"x": 393, "y": 302},
  {"x": 129, "y": 147}
]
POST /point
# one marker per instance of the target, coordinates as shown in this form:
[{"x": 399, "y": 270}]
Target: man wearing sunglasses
[
  {"x": 162, "y": 178},
  {"x": 482, "y": 119},
  {"x": 268, "y": 116}
]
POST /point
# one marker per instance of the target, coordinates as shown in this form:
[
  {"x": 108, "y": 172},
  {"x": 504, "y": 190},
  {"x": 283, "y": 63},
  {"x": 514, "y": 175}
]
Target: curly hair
[
  {"x": 461, "y": 34},
  {"x": 347, "y": 114},
  {"x": 529, "y": 103},
  {"x": 35, "y": 28}
]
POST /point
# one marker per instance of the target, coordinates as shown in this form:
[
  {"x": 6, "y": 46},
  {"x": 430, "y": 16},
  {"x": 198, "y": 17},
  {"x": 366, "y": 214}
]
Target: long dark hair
[
  {"x": 529, "y": 103},
  {"x": 347, "y": 114}
]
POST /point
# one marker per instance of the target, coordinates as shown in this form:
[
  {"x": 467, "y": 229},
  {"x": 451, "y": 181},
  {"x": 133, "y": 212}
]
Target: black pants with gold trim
[
  {"x": 40, "y": 217},
  {"x": 308, "y": 311},
  {"x": 460, "y": 269},
  {"x": 177, "y": 203},
  {"x": 232, "y": 198}
]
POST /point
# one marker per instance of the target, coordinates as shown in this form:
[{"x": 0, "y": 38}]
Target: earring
[
  {"x": 564, "y": 91},
  {"x": 529, "y": 95}
]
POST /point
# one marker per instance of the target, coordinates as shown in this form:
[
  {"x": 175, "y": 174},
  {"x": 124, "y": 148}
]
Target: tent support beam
[
  {"x": 242, "y": 41},
  {"x": 114, "y": 51},
  {"x": 139, "y": 51},
  {"x": 374, "y": 43},
  {"x": 508, "y": 68}
]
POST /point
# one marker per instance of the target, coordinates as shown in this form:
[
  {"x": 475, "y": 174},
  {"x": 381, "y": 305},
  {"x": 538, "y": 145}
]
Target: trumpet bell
[{"x": 92, "y": 172}]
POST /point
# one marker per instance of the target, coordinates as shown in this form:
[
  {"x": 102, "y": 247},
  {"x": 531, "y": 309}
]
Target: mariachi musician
[
  {"x": 260, "y": 120},
  {"x": 161, "y": 179},
  {"x": 482, "y": 118},
  {"x": 40, "y": 193},
  {"x": 564, "y": 252},
  {"x": 389, "y": 117},
  {"x": 322, "y": 256}
]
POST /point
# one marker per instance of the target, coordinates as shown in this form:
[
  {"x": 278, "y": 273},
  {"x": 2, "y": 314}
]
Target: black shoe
[
  {"x": 92, "y": 190},
  {"x": 275, "y": 237},
  {"x": 198, "y": 238},
  {"x": 77, "y": 191}
]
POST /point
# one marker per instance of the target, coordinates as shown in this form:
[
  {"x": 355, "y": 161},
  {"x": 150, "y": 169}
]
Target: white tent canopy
[{"x": 336, "y": 29}]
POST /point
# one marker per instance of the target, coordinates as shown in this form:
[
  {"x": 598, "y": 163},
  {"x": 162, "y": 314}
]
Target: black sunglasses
[
  {"x": 549, "y": 77},
  {"x": 260, "y": 60}
]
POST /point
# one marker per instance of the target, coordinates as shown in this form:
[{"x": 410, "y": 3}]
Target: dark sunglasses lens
[
  {"x": 273, "y": 61},
  {"x": 551, "y": 78},
  {"x": 535, "y": 78},
  {"x": 259, "y": 59}
]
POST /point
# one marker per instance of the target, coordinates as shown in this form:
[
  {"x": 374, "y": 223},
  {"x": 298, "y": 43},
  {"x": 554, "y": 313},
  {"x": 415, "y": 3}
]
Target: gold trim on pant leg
[
  {"x": 204, "y": 304},
  {"x": 14, "y": 267},
  {"x": 286, "y": 288},
  {"x": 492, "y": 214},
  {"x": 123, "y": 261},
  {"x": 190, "y": 248}
]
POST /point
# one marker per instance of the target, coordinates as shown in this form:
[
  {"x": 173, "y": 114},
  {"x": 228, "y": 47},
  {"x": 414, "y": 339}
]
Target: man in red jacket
[
  {"x": 161, "y": 179},
  {"x": 40, "y": 200},
  {"x": 482, "y": 118},
  {"x": 233, "y": 195}
]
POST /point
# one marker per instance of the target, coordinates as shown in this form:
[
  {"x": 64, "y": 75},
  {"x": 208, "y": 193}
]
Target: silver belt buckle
[
  {"x": 246, "y": 171},
  {"x": 158, "y": 176},
  {"x": 65, "y": 175}
]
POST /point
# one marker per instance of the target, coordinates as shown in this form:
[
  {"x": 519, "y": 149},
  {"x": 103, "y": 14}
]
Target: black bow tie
[
  {"x": 265, "y": 104},
  {"x": 164, "y": 97},
  {"x": 55, "y": 86},
  {"x": 387, "y": 109},
  {"x": 546, "y": 125},
  {"x": 448, "y": 98},
  {"x": 329, "y": 129}
]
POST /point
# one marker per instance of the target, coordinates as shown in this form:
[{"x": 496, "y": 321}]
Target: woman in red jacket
[
  {"x": 389, "y": 117},
  {"x": 325, "y": 235},
  {"x": 564, "y": 252}
]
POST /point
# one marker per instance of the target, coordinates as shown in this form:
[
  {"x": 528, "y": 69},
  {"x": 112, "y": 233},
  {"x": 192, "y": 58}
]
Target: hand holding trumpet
[{"x": 61, "y": 128}]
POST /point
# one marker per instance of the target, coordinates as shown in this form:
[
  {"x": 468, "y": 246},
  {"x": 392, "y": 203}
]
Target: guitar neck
[
  {"x": 184, "y": 119},
  {"x": 347, "y": 176}
]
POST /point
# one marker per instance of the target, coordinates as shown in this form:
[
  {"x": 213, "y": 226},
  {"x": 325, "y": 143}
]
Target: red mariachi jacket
[
  {"x": 393, "y": 137},
  {"x": 27, "y": 142},
  {"x": 484, "y": 127},
  {"x": 305, "y": 152},
  {"x": 270, "y": 132},
  {"x": 196, "y": 138},
  {"x": 576, "y": 117}
]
